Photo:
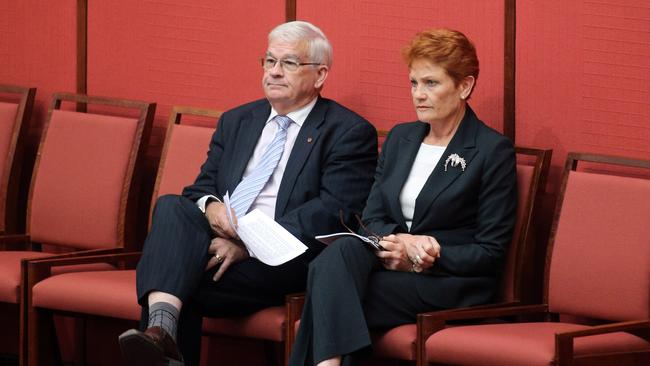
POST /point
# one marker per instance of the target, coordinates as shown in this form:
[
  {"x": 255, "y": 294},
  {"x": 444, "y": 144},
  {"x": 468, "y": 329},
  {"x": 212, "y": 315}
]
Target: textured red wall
[
  {"x": 369, "y": 75},
  {"x": 582, "y": 65},
  {"x": 201, "y": 53},
  {"x": 583, "y": 81}
]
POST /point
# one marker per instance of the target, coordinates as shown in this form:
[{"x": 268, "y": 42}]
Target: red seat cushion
[
  {"x": 113, "y": 294},
  {"x": 265, "y": 324},
  {"x": 519, "y": 344},
  {"x": 397, "y": 343},
  {"x": 10, "y": 273},
  {"x": 104, "y": 293}
]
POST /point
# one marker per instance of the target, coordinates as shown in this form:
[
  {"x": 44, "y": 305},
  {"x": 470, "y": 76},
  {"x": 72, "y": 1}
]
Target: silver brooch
[{"x": 454, "y": 159}]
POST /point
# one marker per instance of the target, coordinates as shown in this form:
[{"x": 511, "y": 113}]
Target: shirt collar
[{"x": 298, "y": 116}]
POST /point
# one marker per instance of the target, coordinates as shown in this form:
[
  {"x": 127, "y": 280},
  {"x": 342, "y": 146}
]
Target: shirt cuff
[{"x": 203, "y": 201}]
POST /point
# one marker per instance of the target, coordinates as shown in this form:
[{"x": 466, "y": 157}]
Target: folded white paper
[{"x": 264, "y": 238}]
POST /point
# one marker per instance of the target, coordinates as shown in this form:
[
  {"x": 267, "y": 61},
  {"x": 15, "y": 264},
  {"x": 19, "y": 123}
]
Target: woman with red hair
[{"x": 443, "y": 207}]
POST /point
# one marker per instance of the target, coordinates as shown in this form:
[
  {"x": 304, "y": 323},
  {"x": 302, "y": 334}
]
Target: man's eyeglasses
[{"x": 287, "y": 65}]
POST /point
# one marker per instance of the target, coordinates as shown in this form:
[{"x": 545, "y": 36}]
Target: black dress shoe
[{"x": 153, "y": 347}]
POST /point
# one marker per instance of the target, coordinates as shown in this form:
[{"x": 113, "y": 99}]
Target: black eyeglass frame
[{"x": 373, "y": 238}]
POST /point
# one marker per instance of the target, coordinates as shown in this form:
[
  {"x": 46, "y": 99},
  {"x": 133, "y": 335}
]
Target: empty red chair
[
  {"x": 111, "y": 293},
  {"x": 82, "y": 191},
  {"x": 597, "y": 288}
]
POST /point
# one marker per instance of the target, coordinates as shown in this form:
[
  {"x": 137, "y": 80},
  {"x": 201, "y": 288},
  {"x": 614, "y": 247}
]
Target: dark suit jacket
[
  {"x": 471, "y": 213},
  {"x": 330, "y": 167}
]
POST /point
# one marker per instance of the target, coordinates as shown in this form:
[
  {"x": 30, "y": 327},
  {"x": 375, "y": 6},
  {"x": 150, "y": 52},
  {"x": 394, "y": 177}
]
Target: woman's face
[{"x": 437, "y": 99}]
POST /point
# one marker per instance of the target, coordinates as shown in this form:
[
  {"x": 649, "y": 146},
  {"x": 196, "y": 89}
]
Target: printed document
[{"x": 264, "y": 238}]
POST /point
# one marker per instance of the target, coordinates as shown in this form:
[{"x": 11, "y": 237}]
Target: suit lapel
[
  {"x": 305, "y": 141},
  {"x": 250, "y": 130},
  {"x": 405, "y": 155},
  {"x": 464, "y": 144}
]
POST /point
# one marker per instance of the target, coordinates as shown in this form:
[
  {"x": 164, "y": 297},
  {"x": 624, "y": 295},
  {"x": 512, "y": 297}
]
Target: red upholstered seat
[
  {"x": 519, "y": 344},
  {"x": 398, "y": 343},
  {"x": 83, "y": 194},
  {"x": 598, "y": 268},
  {"x": 112, "y": 293},
  {"x": 265, "y": 324},
  {"x": 10, "y": 274},
  {"x": 105, "y": 293}
]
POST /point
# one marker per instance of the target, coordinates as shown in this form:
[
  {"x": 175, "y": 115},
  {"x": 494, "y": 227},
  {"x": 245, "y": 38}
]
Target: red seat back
[
  {"x": 184, "y": 151},
  {"x": 82, "y": 179},
  {"x": 600, "y": 254},
  {"x": 532, "y": 171}
]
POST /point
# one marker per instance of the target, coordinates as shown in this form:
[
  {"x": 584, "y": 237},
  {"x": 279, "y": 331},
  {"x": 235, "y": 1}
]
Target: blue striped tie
[{"x": 247, "y": 190}]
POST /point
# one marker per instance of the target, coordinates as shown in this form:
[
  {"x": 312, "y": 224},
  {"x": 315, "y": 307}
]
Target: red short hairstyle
[{"x": 447, "y": 48}]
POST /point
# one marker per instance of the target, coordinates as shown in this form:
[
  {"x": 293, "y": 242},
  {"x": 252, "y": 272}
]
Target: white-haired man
[{"x": 193, "y": 263}]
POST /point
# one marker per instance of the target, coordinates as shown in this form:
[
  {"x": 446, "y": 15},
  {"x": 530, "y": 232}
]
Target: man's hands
[
  {"x": 406, "y": 252},
  {"x": 226, "y": 252},
  {"x": 215, "y": 212},
  {"x": 226, "y": 247}
]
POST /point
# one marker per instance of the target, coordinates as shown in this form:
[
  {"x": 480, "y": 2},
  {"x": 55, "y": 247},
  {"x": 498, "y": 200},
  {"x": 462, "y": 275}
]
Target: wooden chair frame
[
  {"x": 11, "y": 175},
  {"x": 524, "y": 254},
  {"x": 429, "y": 323},
  {"x": 126, "y": 220}
]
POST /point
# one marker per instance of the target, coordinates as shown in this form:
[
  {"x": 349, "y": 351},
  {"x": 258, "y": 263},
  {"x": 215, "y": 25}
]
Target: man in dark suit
[{"x": 319, "y": 159}]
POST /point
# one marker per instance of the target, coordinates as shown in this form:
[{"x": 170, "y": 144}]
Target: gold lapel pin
[{"x": 309, "y": 140}]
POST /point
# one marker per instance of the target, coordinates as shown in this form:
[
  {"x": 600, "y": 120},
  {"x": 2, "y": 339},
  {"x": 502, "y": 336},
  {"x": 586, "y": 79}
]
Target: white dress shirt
[
  {"x": 265, "y": 201},
  {"x": 425, "y": 161}
]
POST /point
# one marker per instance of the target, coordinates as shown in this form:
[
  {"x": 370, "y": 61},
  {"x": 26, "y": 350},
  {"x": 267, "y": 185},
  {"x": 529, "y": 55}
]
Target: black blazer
[
  {"x": 330, "y": 166},
  {"x": 471, "y": 213}
]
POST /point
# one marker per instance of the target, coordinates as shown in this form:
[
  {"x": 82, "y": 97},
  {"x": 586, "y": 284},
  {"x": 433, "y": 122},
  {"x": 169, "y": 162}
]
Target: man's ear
[
  {"x": 323, "y": 71},
  {"x": 466, "y": 86}
]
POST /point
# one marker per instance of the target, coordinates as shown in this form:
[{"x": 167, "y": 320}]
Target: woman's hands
[{"x": 409, "y": 253}]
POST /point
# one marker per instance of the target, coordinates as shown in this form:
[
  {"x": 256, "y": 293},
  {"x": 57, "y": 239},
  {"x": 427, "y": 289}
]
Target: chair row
[{"x": 80, "y": 197}]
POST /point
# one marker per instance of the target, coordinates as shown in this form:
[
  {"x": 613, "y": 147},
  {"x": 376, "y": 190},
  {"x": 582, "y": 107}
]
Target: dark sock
[{"x": 164, "y": 315}]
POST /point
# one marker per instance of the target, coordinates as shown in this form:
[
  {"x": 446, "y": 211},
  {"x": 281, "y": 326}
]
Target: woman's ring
[
  {"x": 418, "y": 259},
  {"x": 219, "y": 258}
]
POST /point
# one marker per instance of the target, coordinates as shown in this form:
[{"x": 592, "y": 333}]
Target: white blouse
[{"x": 425, "y": 161}]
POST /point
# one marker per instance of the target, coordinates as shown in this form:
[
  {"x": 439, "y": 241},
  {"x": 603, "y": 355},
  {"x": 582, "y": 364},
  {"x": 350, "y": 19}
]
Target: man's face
[{"x": 289, "y": 90}]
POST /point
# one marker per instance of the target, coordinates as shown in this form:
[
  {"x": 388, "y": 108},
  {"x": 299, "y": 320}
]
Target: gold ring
[
  {"x": 418, "y": 259},
  {"x": 219, "y": 258}
]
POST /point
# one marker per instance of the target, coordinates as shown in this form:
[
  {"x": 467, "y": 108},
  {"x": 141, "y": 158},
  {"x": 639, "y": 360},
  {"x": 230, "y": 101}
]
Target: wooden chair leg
[
  {"x": 80, "y": 345},
  {"x": 42, "y": 344},
  {"x": 274, "y": 353}
]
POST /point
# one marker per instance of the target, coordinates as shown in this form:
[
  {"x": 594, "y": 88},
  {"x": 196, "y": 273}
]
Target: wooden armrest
[
  {"x": 87, "y": 257},
  {"x": 14, "y": 242},
  {"x": 564, "y": 340},
  {"x": 482, "y": 312},
  {"x": 431, "y": 322},
  {"x": 36, "y": 270}
]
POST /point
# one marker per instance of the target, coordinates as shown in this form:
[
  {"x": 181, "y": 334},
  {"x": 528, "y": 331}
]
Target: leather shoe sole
[{"x": 140, "y": 350}]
